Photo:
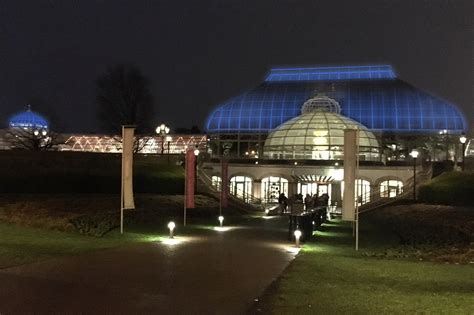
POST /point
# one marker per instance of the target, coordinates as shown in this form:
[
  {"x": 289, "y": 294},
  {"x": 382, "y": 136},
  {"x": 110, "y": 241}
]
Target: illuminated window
[
  {"x": 216, "y": 182},
  {"x": 363, "y": 191},
  {"x": 241, "y": 187},
  {"x": 391, "y": 188},
  {"x": 272, "y": 187}
]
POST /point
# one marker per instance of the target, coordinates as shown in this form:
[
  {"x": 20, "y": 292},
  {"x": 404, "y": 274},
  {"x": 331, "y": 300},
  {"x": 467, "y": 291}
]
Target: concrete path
[{"x": 219, "y": 273}]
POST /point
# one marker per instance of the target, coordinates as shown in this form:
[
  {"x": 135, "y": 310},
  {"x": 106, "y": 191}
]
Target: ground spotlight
[
  {"x": 221, "y": 220},
  {"x": 171, "y": 226},
  {"x": 297, "y": 234}
]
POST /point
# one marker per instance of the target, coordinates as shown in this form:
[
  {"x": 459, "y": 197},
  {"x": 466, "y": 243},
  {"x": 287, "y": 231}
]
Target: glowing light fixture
[
  {"x": 221, "y": 220},
  {"x": 297, "y": 234},
  {"x": 414, "y": 153},
  {"x": 171, "y": 227}
]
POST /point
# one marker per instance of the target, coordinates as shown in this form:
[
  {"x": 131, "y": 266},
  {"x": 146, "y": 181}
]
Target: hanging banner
[
  {"x": 127, "y": 167},
  {"x": 350, "y": 163},
  {"x": 190, "y": 178},
  {"x": 224, "y": 183}
]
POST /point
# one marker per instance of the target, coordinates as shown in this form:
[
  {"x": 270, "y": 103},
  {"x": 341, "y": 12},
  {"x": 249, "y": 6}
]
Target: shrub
[{"x": 453, "y": 188}]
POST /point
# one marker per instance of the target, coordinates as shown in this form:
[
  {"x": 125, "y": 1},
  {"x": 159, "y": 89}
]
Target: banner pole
[
  {"x": 185, "y": 185},
  {"x": 357, "y": 193},
  {"x": 220, "y": 193},
  {"x": 121, "y": 189}
]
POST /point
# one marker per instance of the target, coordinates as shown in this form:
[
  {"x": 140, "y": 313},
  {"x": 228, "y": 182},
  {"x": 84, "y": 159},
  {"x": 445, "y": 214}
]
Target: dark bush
[
  {"x": 453, "y": 188},
  {"x": 96, "y": 224}
]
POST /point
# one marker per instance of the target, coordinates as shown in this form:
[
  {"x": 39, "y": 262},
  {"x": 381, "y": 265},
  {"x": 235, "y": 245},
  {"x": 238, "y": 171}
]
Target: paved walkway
[{"x": 220, "y": 273}]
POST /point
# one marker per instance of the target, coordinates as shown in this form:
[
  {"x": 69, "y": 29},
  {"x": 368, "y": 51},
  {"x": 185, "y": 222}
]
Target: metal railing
[
  {"x": 238, "y": 194},
  {"x": 376, "y": 199}
]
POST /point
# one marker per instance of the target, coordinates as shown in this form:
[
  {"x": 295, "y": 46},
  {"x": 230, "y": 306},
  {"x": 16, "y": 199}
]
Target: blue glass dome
[
  {"x": 371, "y": 95},
  {"x": 28, "y": 119}
]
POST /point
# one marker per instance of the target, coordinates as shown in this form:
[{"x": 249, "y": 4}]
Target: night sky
[{"x": 200, "y": 53}]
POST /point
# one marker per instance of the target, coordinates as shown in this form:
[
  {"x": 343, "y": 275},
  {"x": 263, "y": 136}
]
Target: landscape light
[
  {"x": 463, "y": 139},
  {"x": 221, "y": 220},
  {"x": 296, "y": 163},
  {"x": 171, "y": 226},
  {"x": 44, "y": 132},
  {"x": 36, "y": 132},
  {"x": 297, "y": 234},
  {"x": 196, "y": 152}
]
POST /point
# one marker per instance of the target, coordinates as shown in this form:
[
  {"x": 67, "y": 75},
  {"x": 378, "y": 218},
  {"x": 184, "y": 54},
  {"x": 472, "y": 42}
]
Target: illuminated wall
[{"x": 371, "y": 95}]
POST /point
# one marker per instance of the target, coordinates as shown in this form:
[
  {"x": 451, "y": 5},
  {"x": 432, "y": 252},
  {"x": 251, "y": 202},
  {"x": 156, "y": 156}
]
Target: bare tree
[
  {"x": 124, "y": 98},
  {"x": 31, "y": 139}
]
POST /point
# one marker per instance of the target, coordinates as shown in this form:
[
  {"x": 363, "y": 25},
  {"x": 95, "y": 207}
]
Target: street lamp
[
  {"x": 463, "y": 140},
  {"x": 414, "y": 154},
  {"x": 168, "y": 140},
  {"x": 162, "y": 130}
]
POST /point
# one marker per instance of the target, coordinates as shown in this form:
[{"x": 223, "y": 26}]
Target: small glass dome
[
  {"x": 28, "y": 119},
  {"x": 318, "y": 134}
]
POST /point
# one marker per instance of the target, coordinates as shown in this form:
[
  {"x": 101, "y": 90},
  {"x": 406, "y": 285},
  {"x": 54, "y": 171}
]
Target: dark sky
[{"x": 199, "y": 53}]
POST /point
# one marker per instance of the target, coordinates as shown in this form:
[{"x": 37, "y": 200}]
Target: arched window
[
  {"x": 362, "y": 191},
  {"x": 390, "y": 188},
  {"x": 216, "y": 182},
  {"x": 272, "y": 187},
  {"x": 241, "y": 187}
]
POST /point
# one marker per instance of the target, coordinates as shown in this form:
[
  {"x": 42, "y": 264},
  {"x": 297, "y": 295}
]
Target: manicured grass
[
  {"x": 21, "y": 245},
  {"x": 329, "y": 277}
]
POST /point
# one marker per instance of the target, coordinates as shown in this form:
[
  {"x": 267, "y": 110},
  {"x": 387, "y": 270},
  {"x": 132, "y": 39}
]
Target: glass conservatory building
[
  {"x": 372, "y": 96},
  {"x": 318, "y": 134}
]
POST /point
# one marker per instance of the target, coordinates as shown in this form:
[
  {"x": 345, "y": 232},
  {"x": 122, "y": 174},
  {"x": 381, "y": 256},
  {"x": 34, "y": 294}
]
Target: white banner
[
  {"x": 350, "y": 164},
  {"x": 127, "y": 167}
]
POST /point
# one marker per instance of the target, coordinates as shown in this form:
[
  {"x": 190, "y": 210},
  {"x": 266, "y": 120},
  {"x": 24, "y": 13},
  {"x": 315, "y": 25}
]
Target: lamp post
[
  {"x": 168, "y": 140},
  {"x": 196, "y": 153},
  {"x": 162, "y": 130},
  {"x": 414, "y": 154},
  {"x": 463, "y": 140}
]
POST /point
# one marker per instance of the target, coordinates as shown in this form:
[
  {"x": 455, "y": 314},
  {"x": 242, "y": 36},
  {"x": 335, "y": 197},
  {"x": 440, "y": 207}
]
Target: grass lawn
[
  {"x": 329, "y": 277},
  {"x": 21, "y": 245}
]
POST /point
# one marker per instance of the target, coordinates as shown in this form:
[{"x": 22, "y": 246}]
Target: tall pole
[
  {"x": 195, "y": 175},
  {"x": 168, "y": 152},
  {"x": 185, "y": 188},
  {"x": 463, "y": 155},
  {"x": 357, "y": 193},
  {"x": 414, "y": 178},
  {"x": 162, "y": 144}
]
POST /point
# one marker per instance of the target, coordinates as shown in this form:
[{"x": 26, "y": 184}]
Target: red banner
[
  {"x": 225, "y": 183},
  {"x": 190, "y": 178}
]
